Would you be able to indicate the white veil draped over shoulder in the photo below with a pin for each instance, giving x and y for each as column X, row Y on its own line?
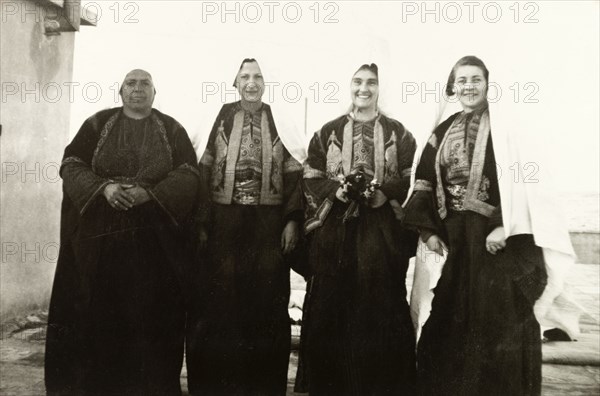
column 288, row 113
column 522, row 133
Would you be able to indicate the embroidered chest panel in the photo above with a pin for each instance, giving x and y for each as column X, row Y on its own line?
column 363, row 148
column 133, row 151
column 457, row 150
column 363, row 153
column 247, row 164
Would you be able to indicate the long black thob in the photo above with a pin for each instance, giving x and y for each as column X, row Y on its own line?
column 117, row 316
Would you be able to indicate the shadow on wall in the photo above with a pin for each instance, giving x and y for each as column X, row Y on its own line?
column 35, row 68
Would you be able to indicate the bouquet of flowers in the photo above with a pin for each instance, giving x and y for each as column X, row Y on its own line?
column 356, row 187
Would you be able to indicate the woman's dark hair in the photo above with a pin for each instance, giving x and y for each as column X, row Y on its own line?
column 468, row 60
column 372, row 68
column 246, row 60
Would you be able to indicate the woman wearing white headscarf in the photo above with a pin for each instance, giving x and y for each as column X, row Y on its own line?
column 250, row 210
column 482, row 336
column 357, row 333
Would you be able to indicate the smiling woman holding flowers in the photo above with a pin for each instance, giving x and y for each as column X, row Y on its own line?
column 359, row 338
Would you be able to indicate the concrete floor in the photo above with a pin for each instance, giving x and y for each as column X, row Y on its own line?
column 570, row 368
column 22, row 373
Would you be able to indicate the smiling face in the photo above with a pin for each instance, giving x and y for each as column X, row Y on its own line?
column 138, row 91
column 250, row 83
column 364, row 90
column 471, row 87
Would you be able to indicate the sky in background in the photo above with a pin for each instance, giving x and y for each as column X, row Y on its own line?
column 543, row 59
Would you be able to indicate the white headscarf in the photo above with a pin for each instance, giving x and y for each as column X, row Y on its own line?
column 335, row 98
column 288, row 113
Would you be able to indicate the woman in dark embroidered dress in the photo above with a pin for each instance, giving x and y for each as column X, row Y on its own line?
column 482, row 337
column 116, row 320
column 238, row 340
column 357, row 332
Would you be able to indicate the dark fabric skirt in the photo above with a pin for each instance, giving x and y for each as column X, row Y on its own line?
column 238, row 339
column 482, row 337
column 357, row 333
column 116, row 320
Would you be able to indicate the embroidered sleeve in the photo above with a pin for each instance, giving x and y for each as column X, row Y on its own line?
column 290, row 164
column 202, row 213
column 319, row 191
column 80, row 183
column 292, row 188
column 421, row 213
column 177, row 194
column 495, row 219
column 397, row 186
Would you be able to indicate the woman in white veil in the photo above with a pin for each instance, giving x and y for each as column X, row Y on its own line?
column 250, row 210
column 483, row 335
column 357, row 333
